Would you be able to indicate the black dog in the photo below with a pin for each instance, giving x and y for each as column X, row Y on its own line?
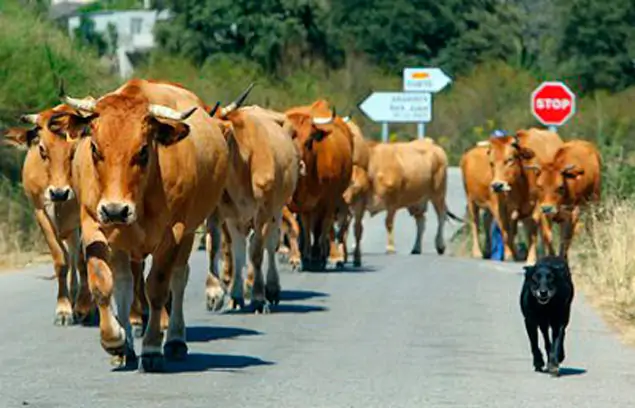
column 545, row 300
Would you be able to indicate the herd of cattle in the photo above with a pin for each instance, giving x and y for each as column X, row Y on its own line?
column 533, row 177
column 135, row 173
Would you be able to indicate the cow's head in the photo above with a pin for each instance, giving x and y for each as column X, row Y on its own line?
column 310, row 125
column 125, row 133
column 506, row 155
column 551, row 182
column 50, row 143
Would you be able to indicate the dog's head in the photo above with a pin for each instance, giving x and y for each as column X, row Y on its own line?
column 545, row 277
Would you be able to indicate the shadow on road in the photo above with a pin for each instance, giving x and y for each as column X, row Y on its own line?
column 199, row 362
column 203, row 334
column 568, row 371
column 287, row 308
column 344, row 269
column 294, row 295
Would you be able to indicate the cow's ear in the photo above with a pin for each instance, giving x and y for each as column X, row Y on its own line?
column 226, row 129
column 21, row 138
column 572, row 171
column 168, row 132
column 70, row 125
column 526, row 153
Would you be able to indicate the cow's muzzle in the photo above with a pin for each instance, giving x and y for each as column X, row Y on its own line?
column 59, row 194
column 548, row 209
column 116, row 213
column 500, row 186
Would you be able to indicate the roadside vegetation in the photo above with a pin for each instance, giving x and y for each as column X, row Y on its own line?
column 496, row 52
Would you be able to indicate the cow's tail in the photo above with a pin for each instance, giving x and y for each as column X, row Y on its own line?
column 451, row 216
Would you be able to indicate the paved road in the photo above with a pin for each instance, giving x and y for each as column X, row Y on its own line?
column 406, row 331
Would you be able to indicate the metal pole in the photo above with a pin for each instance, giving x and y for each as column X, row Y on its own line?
column 553, row 129
column 421, row 130
column 384, row 132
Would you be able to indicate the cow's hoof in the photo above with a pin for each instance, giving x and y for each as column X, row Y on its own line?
column 152, row 363
column 63, row 319
column 553, row 369
column 260, row 307
column 126, row 359
column 440, row 250
column 175, row 350
column 339, row 265
column 357, row 263
column 415, row 251
column 390, row 251
column 214, row 303
column 82, row 317
column 272, row 294
column 137, row 330
column 236, row 303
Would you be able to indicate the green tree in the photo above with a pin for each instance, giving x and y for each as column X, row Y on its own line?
column 597, row 44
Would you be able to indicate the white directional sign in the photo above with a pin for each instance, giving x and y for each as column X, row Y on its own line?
column 398, row 107
column 424, row 80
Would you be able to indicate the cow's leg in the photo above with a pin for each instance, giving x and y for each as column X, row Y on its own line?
column 323, row 225
column 342, row 234
column 63, row 309
column 140, row 303
column 124, row 296
column 175, row 347
column 272, row 286
column 293, row 233
column 262, row 230
column 473, row 212
column 487, row 226
column 336, row 258
column 438, row 202
column 358, row 212
column 228, row 257
column 546, row 231
column 390, row 223
column 532, row 333
column 305, row 251
column 83, row 301
column 158, row 291
column 214, row 290
column 239, row 249
column 419, row 214
column 567, row 230
column 531, row 228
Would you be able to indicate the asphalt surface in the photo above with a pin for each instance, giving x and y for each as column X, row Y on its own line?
column 404, row 331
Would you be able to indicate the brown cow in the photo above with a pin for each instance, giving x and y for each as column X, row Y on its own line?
column 516, row 188
column 567, row 184
column 263, row 173
column 46, row 179
column 477, row 177
column 326, row 146
column 150, row 167
column 408, row 175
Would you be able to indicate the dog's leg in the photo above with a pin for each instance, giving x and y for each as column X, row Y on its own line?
column 544, row 328
column 532, row 333
column 557, row 353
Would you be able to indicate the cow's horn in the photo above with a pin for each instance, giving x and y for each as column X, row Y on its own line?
column 212, row 111
column 238, row 102
column 163, row 112
column 30, row 118
column 87, row 104
column 325, row 121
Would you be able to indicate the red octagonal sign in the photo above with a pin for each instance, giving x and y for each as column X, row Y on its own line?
column 553, row 103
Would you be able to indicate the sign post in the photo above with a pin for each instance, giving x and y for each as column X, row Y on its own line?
column 553, row 104
column 397, row 107
column 428, row 80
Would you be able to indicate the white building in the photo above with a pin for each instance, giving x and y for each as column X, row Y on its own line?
column 134, row 31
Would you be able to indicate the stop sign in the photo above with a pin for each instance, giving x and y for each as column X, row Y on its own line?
column 552, row 103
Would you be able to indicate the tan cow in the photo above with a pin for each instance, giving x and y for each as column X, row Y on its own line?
column 516, row 188
column 326, row 146
column 477, row 177
column 150, row 167
column 263, row 173
column 408, row 175
column 567, row 184
column 46, row 179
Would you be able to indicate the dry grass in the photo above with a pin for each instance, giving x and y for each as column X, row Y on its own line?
column 603, row 264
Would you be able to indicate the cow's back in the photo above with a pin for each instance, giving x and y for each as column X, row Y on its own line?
column 193, row 170
column 477, row 175
column 544, row 144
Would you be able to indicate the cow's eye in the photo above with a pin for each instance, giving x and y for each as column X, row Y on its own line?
column 561, row 189
column 142, row 156
column 95, row 152
column 43, row 153
column 509, row 161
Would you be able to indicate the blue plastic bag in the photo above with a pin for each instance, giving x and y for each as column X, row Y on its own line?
column 498, row 249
